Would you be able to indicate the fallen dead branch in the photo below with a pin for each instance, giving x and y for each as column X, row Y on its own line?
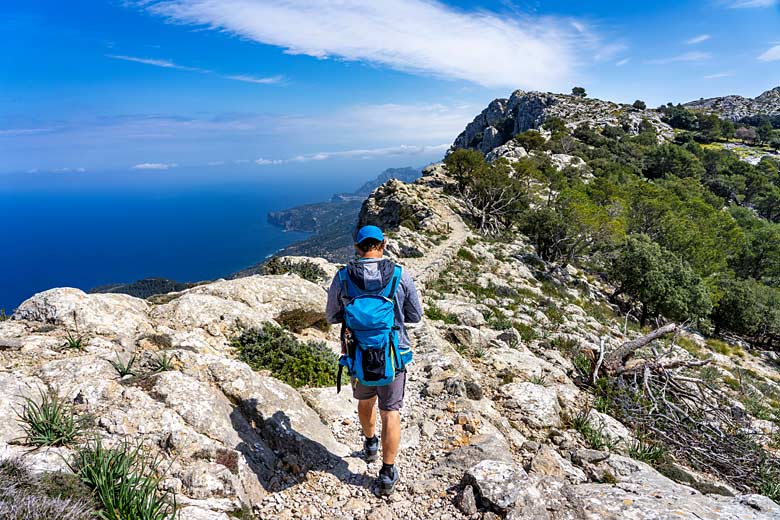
column 659, row 394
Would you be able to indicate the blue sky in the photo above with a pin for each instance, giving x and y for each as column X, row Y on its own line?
column 146, row 86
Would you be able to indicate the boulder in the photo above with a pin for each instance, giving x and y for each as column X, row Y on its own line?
column 497, row 484
column 269, row 295
column 465, row 312
column 82, row 313
column 549, row 462
column 521, row 363
column 537, row 405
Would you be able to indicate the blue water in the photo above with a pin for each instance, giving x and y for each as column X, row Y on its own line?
column 86, row 232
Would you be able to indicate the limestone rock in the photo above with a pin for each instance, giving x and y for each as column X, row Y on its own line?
column 549, row 462
column 466, row 313
column 497, row 484
column 737, row 107
column 108, row 314
column 538, row 405
column 522, row 111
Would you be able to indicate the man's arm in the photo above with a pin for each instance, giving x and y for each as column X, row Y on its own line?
column 413, row 311
column 334, row 312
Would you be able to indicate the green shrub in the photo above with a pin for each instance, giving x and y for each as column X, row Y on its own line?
column 3, row 315
column 755, row 405
column 294, row 362
column 583, row 365
column 567, row 346
column 527, row 333
column 690, row 346
column 306, row 269
column 538, row 380
column 769, row 484
column 595, row 437
column 125, row 481
column 648, row 452
column 499, row 321
column 465, row 254
column 555, row 316
column 721, row 347
column 50, row 422
column 432, row 312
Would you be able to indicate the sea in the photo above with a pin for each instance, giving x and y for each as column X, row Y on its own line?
column 88, row 229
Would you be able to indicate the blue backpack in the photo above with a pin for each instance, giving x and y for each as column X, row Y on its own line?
column 370, row 332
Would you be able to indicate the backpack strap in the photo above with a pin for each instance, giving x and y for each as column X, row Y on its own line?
column 395, row 281
column 343, row 276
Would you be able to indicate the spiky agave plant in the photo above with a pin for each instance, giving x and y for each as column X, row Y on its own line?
column 125, row 480
column 49, row 421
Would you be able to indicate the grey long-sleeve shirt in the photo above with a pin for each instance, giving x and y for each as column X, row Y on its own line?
column 374, row 272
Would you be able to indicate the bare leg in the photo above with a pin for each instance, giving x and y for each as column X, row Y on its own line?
column 391, row 435
column 367, row 415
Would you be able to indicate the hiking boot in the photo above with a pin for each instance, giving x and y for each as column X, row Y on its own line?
column 388, row 478
column 370, row 448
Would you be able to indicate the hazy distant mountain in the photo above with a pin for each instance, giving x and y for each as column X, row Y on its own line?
column 737, row 107
column 334, row 221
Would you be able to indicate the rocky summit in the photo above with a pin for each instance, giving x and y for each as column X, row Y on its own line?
column 504, row 118
column 737, row 107
column 498, row 421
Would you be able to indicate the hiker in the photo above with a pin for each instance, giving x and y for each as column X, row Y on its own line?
column 373, row 298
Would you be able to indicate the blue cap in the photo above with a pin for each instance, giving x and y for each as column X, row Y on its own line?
column 369, row 232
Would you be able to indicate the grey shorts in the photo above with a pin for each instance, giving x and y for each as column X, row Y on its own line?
column 391, row 397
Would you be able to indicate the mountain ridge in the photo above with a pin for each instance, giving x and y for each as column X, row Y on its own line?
column 735, row 107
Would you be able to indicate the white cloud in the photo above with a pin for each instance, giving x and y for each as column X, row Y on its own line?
column 418, row 36
column 698, row 39
column 623, row 62
column 264, row 162
column 166, row 64
column 771, row 54
column 69, row 170
column 361, row 153
column 252, row 79
column 154, row 166
column 686, row 57
column 742, row 4
column 719, row 75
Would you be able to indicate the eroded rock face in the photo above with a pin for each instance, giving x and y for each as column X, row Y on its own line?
column 504, row 118
column 395, row 203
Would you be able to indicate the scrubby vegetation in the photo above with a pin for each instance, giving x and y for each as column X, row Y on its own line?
column 24, row 496
column 306, row 269
column 681, row 229
column 294, row 362
column 125, row 481
column 432, row 312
